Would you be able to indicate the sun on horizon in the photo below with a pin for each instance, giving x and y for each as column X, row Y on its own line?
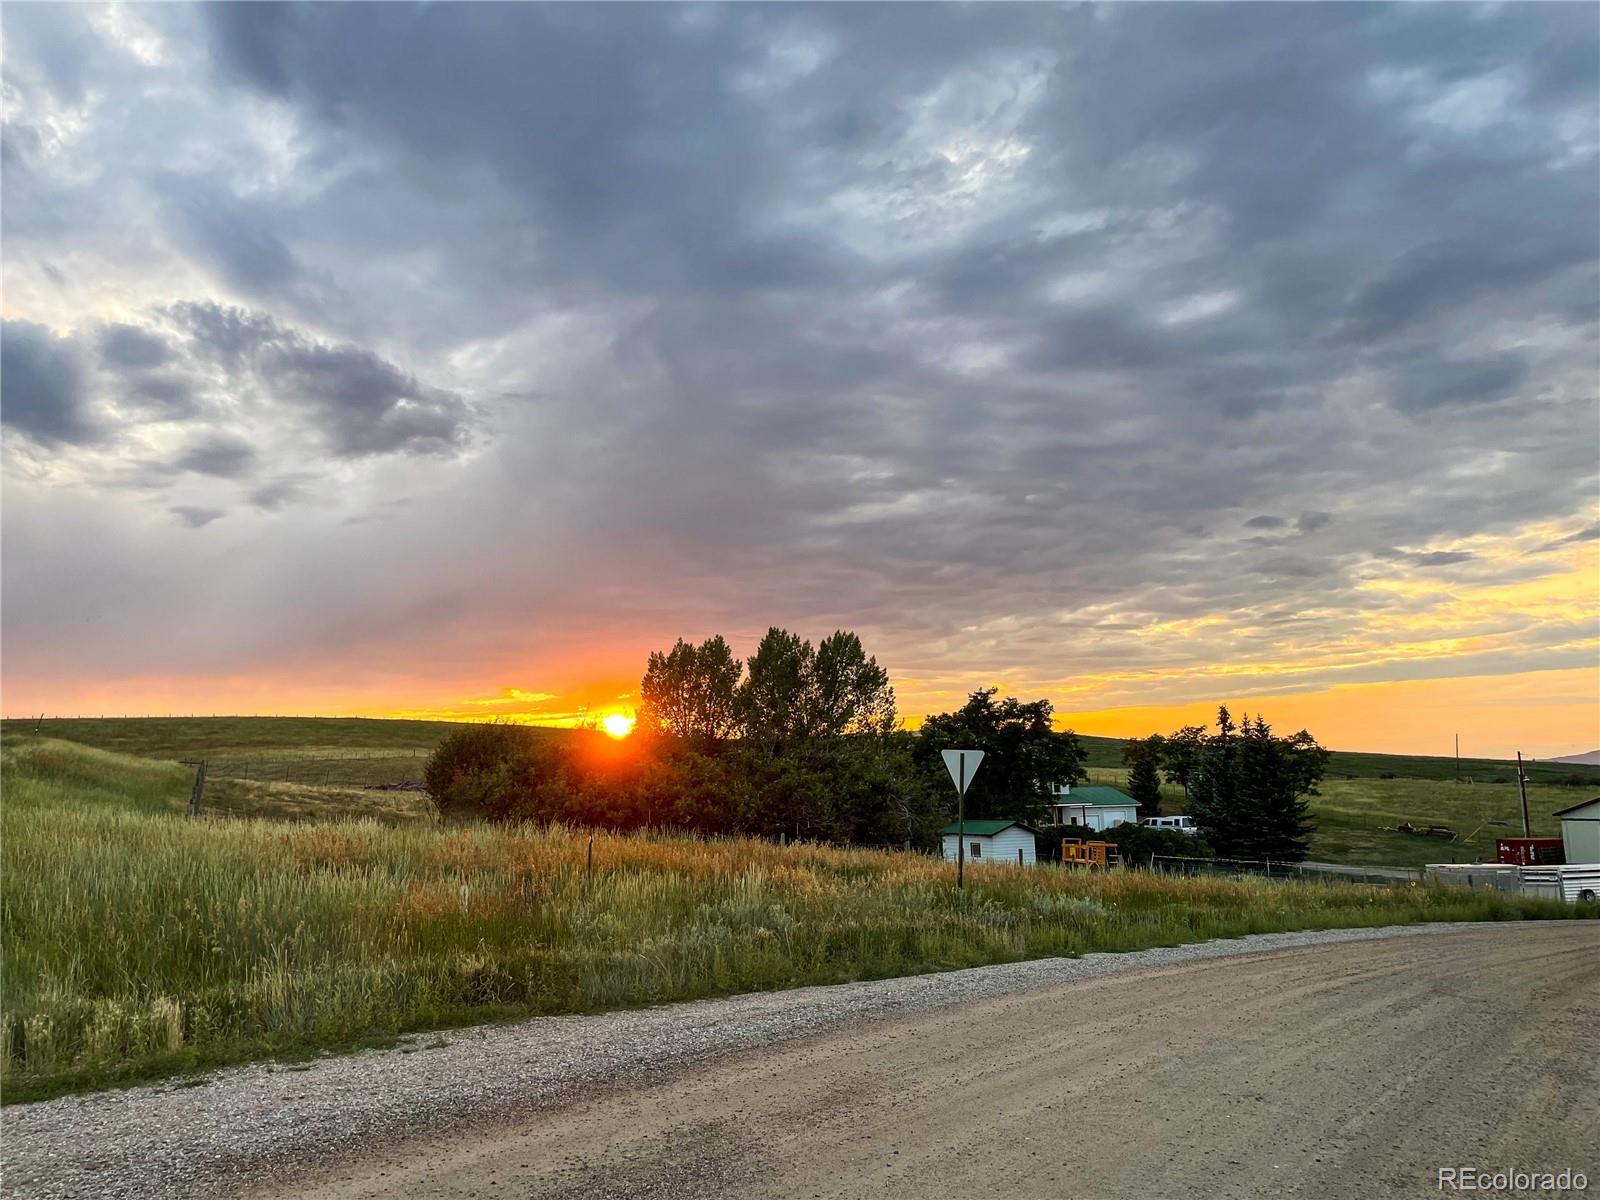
column 618, row 725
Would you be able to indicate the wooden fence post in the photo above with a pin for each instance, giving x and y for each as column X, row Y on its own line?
column 199, row 789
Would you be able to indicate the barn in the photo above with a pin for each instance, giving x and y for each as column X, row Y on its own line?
column 993, row 841
column 1580, row 831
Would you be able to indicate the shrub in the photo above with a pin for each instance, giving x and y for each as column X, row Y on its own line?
column 479, row 771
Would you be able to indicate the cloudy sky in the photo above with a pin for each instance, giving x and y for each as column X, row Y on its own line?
column 449, row 359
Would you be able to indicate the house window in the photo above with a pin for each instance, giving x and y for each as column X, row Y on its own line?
column 977, row 849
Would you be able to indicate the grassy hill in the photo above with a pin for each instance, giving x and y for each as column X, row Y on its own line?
column 320, row 768
column 236, row 737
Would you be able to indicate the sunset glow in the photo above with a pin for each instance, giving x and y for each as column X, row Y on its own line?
column 1211, row 422
column 617, row 725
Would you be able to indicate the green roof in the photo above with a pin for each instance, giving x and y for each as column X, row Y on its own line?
column 1094, row 794
column 985, row 828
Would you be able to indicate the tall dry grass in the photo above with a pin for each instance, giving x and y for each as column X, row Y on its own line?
column 137, row 943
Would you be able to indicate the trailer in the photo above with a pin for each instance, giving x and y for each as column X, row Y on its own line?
column 1529, row 851
column 1573, row 883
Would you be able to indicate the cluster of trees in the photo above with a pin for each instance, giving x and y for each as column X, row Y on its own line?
column 1245, row 787
column 803, row 741
column 787, row 694
column 800, row 741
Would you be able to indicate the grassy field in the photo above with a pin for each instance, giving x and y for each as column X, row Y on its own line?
column 1357, row 819
column 238, row 738
column 138, row 944
column 320, row 768
column 1106, row 753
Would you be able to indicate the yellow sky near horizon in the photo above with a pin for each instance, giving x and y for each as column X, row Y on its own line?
column 1485, row 654
column 1545, row 714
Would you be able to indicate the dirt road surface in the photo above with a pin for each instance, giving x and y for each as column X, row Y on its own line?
column 1343, row 1070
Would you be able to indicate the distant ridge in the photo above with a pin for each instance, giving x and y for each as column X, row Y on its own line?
column 1588, row 759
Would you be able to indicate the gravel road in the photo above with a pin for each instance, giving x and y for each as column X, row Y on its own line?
column 1348, row 1063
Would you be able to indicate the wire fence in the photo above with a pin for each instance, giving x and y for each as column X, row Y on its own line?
column 388, row 771
column 1267, row 869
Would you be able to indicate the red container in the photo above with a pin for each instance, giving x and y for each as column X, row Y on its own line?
column 1529, row 852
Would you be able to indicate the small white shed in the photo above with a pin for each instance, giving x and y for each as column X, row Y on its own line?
column 993, row 841
column 1580, row 831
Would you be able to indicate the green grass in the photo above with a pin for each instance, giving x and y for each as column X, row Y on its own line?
column 312, row 768
column 138, row 944
column 239, row 738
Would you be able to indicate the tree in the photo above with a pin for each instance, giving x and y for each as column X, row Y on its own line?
column 849, row 692
column 690, row 691
column 775, row 702
column 1249, row 790
column 1276, row 776
column 1213, row 789
column 479, row 772
column 1024, row 758
column 1142, row 757
column 1181, row 753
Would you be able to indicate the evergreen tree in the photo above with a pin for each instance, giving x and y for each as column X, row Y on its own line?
column 1248, row 793
column 1142, row 756
column 1213, row 789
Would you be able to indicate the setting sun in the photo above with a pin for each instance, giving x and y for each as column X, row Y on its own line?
column 617, row 725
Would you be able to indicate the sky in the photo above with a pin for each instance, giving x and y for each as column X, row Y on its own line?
column 447, row 360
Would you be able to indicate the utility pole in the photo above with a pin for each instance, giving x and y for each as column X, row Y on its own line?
column 1458, row 758
column 1522, row 786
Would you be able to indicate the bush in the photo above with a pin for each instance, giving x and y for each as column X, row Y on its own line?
column 479, row 771
column 1137, row 843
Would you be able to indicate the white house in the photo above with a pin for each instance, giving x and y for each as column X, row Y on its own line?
column 1580, row 831
column 1093, row 805
column 993, row 841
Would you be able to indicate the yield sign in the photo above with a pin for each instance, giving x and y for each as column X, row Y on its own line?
column 962, row 765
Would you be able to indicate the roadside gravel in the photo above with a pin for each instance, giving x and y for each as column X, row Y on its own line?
column 246, row 1127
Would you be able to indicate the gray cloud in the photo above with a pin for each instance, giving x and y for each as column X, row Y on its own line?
column 279, row 493
column 362, row 404
column 220, row 455
column 129, row 346
column 43, row 391
column 195, row 517
column 1588, row 533
column 983, row 329
column 1436, row 384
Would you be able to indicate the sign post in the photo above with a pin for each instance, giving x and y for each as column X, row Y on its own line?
column 962, row 765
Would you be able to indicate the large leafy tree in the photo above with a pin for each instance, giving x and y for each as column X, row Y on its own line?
column 1181, row 753
column 1024, row 757
column 691, row 691
column 849, row 691
column 795, row 692
column 1248, row 794
column 1142, row 757
column 775, row 702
